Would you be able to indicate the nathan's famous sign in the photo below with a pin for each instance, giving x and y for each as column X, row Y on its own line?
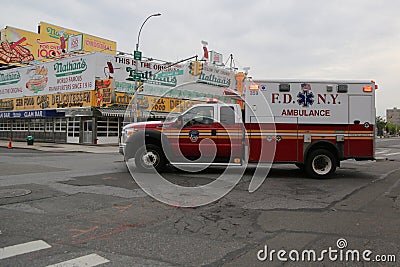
column 70, row 74
column 53, row 33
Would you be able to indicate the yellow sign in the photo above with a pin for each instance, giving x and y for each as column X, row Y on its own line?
column 63, row 100
column 122, row 98
column 165, row 104
column 156, row 103
column 18, row 46
column 60, row 35
column 105, row 93
column 95, row 98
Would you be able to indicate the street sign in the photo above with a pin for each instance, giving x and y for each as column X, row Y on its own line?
column 137, row 55
column 170, row 73
column 137, row 76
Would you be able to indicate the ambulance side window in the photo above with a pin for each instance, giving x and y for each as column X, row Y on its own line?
column 227, row 115
column 198, row 115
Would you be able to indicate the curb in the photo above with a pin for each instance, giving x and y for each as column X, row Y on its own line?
column 379, row 159
column 65, row 148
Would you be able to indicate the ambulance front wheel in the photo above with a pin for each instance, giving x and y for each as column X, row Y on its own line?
column 320, row 163
column 150, row 157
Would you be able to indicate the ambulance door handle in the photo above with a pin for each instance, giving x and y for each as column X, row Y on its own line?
column 214, row 132
column 356, row 122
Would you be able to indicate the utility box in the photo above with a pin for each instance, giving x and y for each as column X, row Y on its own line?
column 29, row 140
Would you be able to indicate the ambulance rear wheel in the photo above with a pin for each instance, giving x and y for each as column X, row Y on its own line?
column 150, row 157
column 321, row 163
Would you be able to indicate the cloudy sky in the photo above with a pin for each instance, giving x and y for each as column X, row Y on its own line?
column 336, row 39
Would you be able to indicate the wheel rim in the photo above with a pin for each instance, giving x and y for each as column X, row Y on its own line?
column 149, row 159
column 322, row 164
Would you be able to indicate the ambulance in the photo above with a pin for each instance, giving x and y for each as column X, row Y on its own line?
column 314, row 124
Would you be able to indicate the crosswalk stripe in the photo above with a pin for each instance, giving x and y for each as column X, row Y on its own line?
column 383, row 151
column 392, row 154
column 88, row 260
column 24, row 248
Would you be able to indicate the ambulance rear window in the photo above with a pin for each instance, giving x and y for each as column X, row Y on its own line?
column 342, row 88
column 227, row 115
column 284, row 87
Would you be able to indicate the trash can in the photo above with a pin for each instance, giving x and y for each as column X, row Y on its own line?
column 29, row 140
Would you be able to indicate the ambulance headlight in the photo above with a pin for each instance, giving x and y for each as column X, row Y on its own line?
column 130, row 131
column 127, row 132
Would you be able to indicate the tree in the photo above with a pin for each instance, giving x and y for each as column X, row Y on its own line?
column 391, row 128
column 380, row 125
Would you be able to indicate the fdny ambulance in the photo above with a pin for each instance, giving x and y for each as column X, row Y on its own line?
column 312, row 124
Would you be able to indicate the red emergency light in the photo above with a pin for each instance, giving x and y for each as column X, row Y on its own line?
column 211, row 100
column 367, row 89
column 376, row 86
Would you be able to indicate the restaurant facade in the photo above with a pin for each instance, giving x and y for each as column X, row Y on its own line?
column 86, row 96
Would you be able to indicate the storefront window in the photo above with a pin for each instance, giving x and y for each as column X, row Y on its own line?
column 5, row 125
column 102, row 127
column 20, row 125
column 37, row 125
column 49, row 126
column 113, row 127
column 73, row 127
column 60, row 125
column 107, row 127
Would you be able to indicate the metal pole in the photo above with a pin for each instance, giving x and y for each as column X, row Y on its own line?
column 135, row 102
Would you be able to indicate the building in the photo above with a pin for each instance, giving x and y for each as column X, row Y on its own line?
column 72, row 93
column 393, row 116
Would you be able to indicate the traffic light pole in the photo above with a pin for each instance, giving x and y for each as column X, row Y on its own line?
column 135, row 102
column 137, row 61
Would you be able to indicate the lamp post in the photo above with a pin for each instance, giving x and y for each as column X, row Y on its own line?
column 135, row 103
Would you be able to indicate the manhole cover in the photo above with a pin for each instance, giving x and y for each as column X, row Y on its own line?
column 5, row 193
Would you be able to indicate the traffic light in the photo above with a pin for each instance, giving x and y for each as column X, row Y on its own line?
column 195, row 67
column 199, row 67
column 140, row 86
column 192, row 67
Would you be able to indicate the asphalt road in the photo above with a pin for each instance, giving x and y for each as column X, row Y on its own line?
column 85, row 208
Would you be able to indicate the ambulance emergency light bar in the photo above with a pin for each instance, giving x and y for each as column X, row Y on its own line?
column 212, row 100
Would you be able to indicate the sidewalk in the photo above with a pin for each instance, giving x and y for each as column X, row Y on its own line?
column 54, row 147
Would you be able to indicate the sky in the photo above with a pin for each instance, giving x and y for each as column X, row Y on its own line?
column 304, row 39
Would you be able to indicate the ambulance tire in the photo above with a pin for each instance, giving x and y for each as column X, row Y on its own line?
column 150, row 157
column 320, row 163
